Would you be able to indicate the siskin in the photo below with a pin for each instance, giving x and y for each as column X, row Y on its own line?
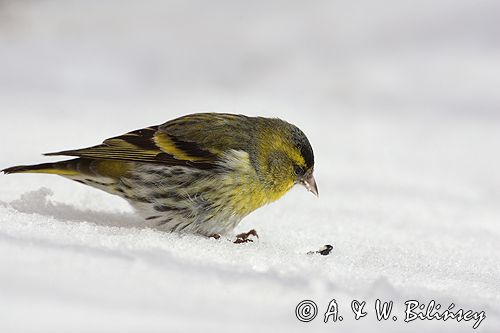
column 201, row 173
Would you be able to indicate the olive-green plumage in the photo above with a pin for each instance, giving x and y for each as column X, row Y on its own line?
column 201, row 173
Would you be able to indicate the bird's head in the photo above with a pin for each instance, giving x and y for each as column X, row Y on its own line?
column 288, row 157
column 303, row 161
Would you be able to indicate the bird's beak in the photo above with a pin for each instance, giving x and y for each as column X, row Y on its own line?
column 310, row 184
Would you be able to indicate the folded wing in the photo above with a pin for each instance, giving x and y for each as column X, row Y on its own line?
column 196, row 141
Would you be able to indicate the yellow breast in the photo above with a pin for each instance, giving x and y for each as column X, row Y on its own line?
column 244, row 190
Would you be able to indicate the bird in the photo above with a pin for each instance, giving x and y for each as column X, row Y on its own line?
column 200, row 173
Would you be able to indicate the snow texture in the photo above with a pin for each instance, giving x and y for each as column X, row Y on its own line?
column 399, row 99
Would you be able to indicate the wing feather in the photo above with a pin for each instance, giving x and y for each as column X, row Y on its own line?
column 197, row 140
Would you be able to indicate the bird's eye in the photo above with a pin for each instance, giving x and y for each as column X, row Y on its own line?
column 299, row 171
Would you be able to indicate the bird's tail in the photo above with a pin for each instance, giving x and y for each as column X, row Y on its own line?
column 101, row 174
column 64, row 168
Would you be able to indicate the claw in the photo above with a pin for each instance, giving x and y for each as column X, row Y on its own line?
column 241, row 240
column 244, row 237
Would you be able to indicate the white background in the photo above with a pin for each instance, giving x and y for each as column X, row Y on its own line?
column 400, row 100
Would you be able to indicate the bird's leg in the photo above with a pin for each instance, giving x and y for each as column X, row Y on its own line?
column 244, row 237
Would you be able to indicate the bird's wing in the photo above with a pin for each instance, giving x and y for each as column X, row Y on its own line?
column 196, row 140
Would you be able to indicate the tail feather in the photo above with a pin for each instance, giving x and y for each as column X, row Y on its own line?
column 58, row 168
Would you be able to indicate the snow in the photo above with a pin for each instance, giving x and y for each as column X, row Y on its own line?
column 400, row 102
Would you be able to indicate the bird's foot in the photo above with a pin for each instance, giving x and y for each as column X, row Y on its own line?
column 214, row 236
column 245, row 237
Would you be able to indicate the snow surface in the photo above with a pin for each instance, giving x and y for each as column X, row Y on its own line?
column 399, row 99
